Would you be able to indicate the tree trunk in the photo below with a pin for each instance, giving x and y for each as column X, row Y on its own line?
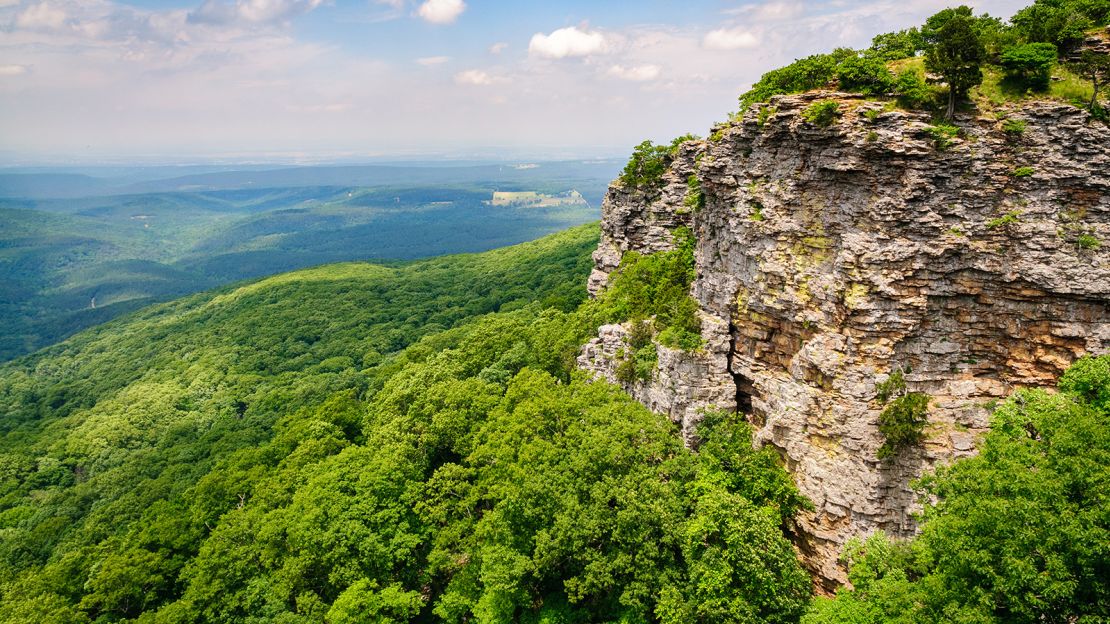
column 951, row 104
column 1094, row 96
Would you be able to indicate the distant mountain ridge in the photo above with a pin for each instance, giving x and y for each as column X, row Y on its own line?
column 42, row 185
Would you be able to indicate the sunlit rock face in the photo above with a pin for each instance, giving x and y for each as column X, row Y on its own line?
column 829, row 257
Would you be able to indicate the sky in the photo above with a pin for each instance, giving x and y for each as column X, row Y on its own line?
column 170, row 81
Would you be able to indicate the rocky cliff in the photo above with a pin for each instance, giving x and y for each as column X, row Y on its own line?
column 830, row 257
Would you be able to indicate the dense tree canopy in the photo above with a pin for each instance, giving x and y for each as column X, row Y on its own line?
column 368, row 444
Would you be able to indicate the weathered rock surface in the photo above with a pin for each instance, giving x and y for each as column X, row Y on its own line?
column 684, row 383
column 829, row 257
column 636, row 220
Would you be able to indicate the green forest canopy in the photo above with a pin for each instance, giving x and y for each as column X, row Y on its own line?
column 357, row 443
column 361, row 443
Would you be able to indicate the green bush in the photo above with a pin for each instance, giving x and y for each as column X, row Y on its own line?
column 902, row 423
column 657, row 287
column 1005, row 221
column 804, row 74
column 1100, row 113
column 1088, row 242
column 911, row 89
column 1030, row 64
column 649, row 162
column 1023, row 172
column 683, row 339
column 639, row 363
column 765, row 113
column 823, row 113
column 866, row 75
column 1089, row 379
column 647, row 165
column 894, row 385
column 695, row 198
column 943, row 134
column 640, row 334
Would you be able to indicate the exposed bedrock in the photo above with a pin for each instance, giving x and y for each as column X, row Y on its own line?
column 829, row 257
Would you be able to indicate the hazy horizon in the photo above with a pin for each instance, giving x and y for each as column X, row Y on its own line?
column 287, row 160
column 312, row 81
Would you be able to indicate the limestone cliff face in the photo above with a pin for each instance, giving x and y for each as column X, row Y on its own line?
column 829, row 257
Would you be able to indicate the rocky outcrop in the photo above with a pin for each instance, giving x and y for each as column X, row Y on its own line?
column 684, row 384
column 643, row 219
column 1098, row 42
column 828, row 257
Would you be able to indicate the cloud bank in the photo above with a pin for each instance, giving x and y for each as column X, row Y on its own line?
column 93, row 79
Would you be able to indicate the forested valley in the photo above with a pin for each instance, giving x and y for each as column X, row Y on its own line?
column 359, row 443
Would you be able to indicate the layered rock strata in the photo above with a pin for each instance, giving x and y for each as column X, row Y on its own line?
column 829, row 257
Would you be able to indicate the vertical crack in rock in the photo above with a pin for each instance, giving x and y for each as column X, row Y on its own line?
column 744, row 386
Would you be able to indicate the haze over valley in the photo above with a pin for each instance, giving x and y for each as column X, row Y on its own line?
column 79, row 249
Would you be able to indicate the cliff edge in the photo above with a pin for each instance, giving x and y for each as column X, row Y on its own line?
column 831, row 257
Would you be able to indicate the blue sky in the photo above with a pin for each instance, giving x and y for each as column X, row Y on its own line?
column 319, row 80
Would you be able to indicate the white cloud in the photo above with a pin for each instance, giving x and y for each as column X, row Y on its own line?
column 429, row 61
column 441, row 11
column 250, row 11
column 567, row 42
column 770, row 11
column 730, row 39
column 12, row 70
column 41, row 16
column 638, row 73
column 498, row 47
column 477, row 77
column 776, row 11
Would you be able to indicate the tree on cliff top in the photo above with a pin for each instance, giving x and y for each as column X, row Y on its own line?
column 954, row 50
column 649, row 162
column 1096, row 68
